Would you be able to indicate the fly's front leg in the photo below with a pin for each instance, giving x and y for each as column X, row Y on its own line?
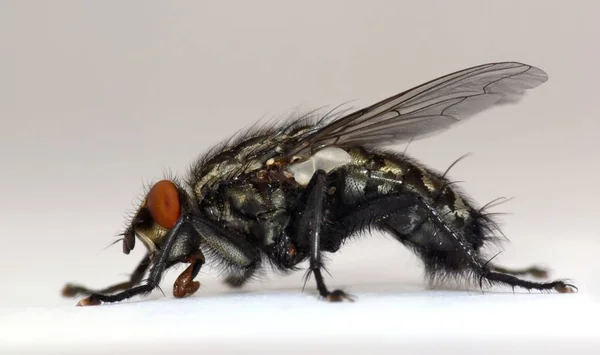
column 71, row 290
column 185, row 284
column 160, row 264
column 309, row 229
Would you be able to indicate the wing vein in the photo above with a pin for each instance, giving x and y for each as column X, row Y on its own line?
column 425, row 109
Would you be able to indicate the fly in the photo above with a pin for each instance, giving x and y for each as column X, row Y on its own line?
column 288, row 193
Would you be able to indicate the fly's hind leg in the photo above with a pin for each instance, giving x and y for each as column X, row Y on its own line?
column 446, row 250
column 534, row 271
column 507, row 279
column 454, row 260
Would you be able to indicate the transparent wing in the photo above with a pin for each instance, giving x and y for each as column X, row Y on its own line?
column 428, row 108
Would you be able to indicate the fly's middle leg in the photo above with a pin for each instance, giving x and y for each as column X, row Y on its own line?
column 309, row 232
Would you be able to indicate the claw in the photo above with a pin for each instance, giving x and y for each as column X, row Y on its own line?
column 87, row 302
column 565, row 288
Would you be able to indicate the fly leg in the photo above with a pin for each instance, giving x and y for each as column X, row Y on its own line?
column 309, row 229
column 232, row 248
column 71, row 290
column 444, row 249
column 498, row 277
column 184, row 284
column 470, row 258
column 160, row 264
column 535, row 271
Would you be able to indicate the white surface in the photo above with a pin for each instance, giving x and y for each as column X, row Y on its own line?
column 395, row 313
column 390, row 322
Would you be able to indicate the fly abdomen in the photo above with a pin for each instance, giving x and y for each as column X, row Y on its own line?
column 373, row 174
column 419, row 207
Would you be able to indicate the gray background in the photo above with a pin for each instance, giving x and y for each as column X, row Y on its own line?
column 99, row 98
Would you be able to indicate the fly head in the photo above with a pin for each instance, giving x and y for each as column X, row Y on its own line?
column 161, row 208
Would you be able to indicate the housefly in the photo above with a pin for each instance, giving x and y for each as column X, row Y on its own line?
column 287, row 193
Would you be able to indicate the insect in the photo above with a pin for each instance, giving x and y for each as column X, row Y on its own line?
column 288, row 193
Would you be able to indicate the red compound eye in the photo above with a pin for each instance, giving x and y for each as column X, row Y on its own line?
column 163, row 203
